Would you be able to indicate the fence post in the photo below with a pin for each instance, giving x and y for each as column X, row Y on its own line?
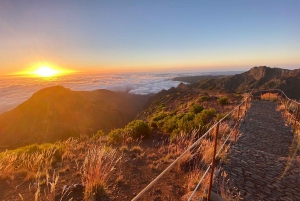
column 237, row 124
column 285, row 108
column 246, row 108
column 296, row 118
column 213, row 161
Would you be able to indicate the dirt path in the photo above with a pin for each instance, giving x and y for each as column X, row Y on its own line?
column 262, row 166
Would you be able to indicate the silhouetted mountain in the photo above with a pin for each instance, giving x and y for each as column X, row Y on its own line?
column 256, row 78
column 56, row 113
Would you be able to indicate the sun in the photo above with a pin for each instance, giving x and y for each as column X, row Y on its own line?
column 45, row 71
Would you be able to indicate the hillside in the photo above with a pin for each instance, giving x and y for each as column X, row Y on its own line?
column 120, row 164
column 261, row 77
column 56, row 113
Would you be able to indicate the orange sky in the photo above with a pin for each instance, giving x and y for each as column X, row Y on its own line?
column 144, row 36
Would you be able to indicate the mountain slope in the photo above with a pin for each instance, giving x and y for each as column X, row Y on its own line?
column 56, row 113
column 256, row 78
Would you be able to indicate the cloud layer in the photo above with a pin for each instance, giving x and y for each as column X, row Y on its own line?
column 15, row 90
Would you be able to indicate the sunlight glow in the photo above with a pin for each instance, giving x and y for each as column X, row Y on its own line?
column 45, row 71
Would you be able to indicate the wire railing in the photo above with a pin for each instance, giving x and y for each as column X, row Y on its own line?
column 218, row 140
column 291, row 108
column 237, row 109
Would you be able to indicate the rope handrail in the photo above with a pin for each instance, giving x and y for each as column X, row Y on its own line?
column 186, row 151
column 245, row 101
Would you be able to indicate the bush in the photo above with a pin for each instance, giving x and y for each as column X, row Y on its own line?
column 116, row 136
column 196, row 109
column 157, row 119
column 170, row 124
column 221, row 116
column 136, row 149
column 137, row 128
column 99, row 134
column 203, row 98
column 185, row 122
column 205, row 116
column 223, row 100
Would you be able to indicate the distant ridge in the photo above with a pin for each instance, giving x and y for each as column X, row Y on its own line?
column 261, row 77
column 56, row 113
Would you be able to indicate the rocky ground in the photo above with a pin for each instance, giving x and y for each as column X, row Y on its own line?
column 263, row 165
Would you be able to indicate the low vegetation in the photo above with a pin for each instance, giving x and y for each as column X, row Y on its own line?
column 134, row 130
column 96, row 169
column 223, row 100
column 269, row 96
column 97, row 166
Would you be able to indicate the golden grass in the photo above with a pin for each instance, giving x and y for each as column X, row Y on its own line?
column 269, row 97
column 97, row 167
column 11, row 162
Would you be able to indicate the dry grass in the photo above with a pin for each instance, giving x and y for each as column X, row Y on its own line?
column 193, row 179
column 269, row 97
column 224, row 190
column 137, row 149
column 49, row 186
column 94, row 163
column 124, row 148
column 11, row 163
column 97, row 167
column 289, row 112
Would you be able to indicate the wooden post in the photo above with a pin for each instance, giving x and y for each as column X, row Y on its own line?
column 284, row 102
column 296, row 118
column 237, row 124
column 246, row 108
column 213, row 161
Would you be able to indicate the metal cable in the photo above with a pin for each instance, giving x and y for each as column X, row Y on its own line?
column 186, row 151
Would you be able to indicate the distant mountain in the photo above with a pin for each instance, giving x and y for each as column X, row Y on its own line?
column 262, row 77
column 56, row 113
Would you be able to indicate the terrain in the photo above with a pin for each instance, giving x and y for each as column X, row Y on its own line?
column 118, row 163
column 57, row 113
column 261, row 77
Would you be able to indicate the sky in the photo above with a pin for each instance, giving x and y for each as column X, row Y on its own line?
column 120, row 36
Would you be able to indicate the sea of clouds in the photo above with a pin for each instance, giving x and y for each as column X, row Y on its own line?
column 15, row 90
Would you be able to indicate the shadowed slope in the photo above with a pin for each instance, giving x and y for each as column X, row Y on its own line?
column 56, row 113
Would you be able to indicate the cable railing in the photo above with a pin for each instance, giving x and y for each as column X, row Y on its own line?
column 215, row 127
column 215, row 137
column 291, row 108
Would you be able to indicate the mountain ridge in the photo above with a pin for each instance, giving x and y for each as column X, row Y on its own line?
column 56, row 113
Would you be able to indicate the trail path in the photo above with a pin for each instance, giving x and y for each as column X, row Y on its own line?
column 262, row 165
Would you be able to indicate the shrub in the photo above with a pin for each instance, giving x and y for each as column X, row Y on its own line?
column 156, row 119
column 116, row 136
column 221, row 116
column 99, row 134
column 136, row 149
column 169, row 125
column 137, row 128
column 196, row 109
column 203, row 98
column 223, row 100
column 272, row 84
column 124, row 148
column 205, row 116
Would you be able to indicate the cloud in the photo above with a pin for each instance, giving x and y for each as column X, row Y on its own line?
column 15, row 90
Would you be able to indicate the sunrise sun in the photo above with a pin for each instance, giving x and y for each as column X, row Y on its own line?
column 45, row 71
